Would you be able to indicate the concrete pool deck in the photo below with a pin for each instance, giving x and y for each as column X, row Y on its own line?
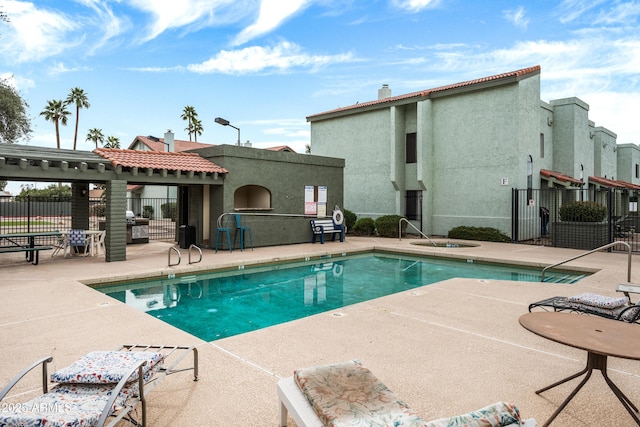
column 446, row 348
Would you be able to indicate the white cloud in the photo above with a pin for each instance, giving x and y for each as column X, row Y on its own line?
column 188, row 14
column 36, row 34
column 272, row 14
column 105, row 20
column 517, row 17
column 254, row 59
column 415, row 5
column 620, row 13
column 615, row 111
column 571, row 10
column 60, row 68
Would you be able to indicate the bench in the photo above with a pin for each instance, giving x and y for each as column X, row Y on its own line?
column 320, row 227
column 32, row 253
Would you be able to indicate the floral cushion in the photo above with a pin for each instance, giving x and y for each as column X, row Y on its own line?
column 108, row 367
column 631, row 314
column 69, row 405
column 348, row 394
column 498, row 414
column 599, row 301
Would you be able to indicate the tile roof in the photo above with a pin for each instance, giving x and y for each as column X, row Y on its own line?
column 428, row 92
column 281, row 148
column 560, row 177
column 629, row 185
column 613, row 183
column 157, row 144
column 158, row 160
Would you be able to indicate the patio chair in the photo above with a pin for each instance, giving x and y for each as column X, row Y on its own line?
column 101, row 387
column 242, row 230
column 61, row 243
column 348, row 394
column 617, row 308
column 77, row 239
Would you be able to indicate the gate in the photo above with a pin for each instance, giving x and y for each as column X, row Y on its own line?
column 536, row 220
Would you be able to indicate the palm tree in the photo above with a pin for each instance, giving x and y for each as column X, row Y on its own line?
column 96, row 136
column 79, row 97
column 112, row 142
column 197, row 129
column 189, row 114
column 56, row 112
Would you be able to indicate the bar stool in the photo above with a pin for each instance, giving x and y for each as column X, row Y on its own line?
column 242, row 229
column 221, row 230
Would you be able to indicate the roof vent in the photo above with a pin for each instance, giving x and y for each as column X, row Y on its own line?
column 384, row 92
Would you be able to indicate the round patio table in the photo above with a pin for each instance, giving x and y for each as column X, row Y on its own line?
column 598, row 336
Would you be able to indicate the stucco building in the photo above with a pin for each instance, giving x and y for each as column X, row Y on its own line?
column 451, row 155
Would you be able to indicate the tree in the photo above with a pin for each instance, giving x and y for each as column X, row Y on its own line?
column 62, row 192
column 78, row 97
column 197, row 129
column 112, row 142
column 56, row 112
column 189, row 114
column 95, row 135
column 14, row 121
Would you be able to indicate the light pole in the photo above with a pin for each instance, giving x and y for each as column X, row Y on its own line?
column 225, row 122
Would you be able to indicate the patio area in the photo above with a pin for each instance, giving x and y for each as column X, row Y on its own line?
column 446, row 348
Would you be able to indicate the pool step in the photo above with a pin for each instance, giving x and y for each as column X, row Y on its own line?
column 566, row 278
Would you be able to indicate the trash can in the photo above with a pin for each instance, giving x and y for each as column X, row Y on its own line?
column 187, row 236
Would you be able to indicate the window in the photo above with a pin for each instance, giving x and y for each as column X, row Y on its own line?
column 252, row 197
column 411, row 148
column 542, row 145
column 413, row 204
column 637, row 171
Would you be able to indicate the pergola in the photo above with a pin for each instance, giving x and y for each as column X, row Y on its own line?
column 113, row 168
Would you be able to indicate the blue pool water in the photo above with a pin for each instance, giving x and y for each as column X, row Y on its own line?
column 212, row 306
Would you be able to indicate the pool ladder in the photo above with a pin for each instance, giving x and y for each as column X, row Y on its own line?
column 609, row 245
column 415, row 228
column 177, row 251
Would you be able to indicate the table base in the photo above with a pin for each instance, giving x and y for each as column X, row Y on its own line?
column 599, row 362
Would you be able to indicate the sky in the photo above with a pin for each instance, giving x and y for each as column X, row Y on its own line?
column 265, row 65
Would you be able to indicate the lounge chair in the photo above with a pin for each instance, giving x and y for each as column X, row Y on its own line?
column 348, row 394
column 101, row 387
column 617, row 308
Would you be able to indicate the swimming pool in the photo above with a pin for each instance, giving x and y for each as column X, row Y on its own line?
column 216, row 305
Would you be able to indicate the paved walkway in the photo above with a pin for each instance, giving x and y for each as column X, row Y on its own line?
column 446, row 348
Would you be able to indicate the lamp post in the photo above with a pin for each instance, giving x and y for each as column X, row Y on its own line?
column 225, row 122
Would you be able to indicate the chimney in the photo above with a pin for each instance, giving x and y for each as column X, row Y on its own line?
column 384, row 92
column 168, row 141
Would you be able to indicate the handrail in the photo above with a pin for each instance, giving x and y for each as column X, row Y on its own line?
column 178, row 252
column 416, row 228
column 608, row 245
column 219, row 220
column 199, row 250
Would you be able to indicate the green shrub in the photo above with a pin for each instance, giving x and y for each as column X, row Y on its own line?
column 169, row 210
column 387, row 225
column 147, row 211
column 485, row 234
column 583, row 212
column 349, row 219
column 364, row 227
column 97, row 209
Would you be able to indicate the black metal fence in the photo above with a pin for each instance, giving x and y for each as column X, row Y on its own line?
column 536, row 220
column 31, row 214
